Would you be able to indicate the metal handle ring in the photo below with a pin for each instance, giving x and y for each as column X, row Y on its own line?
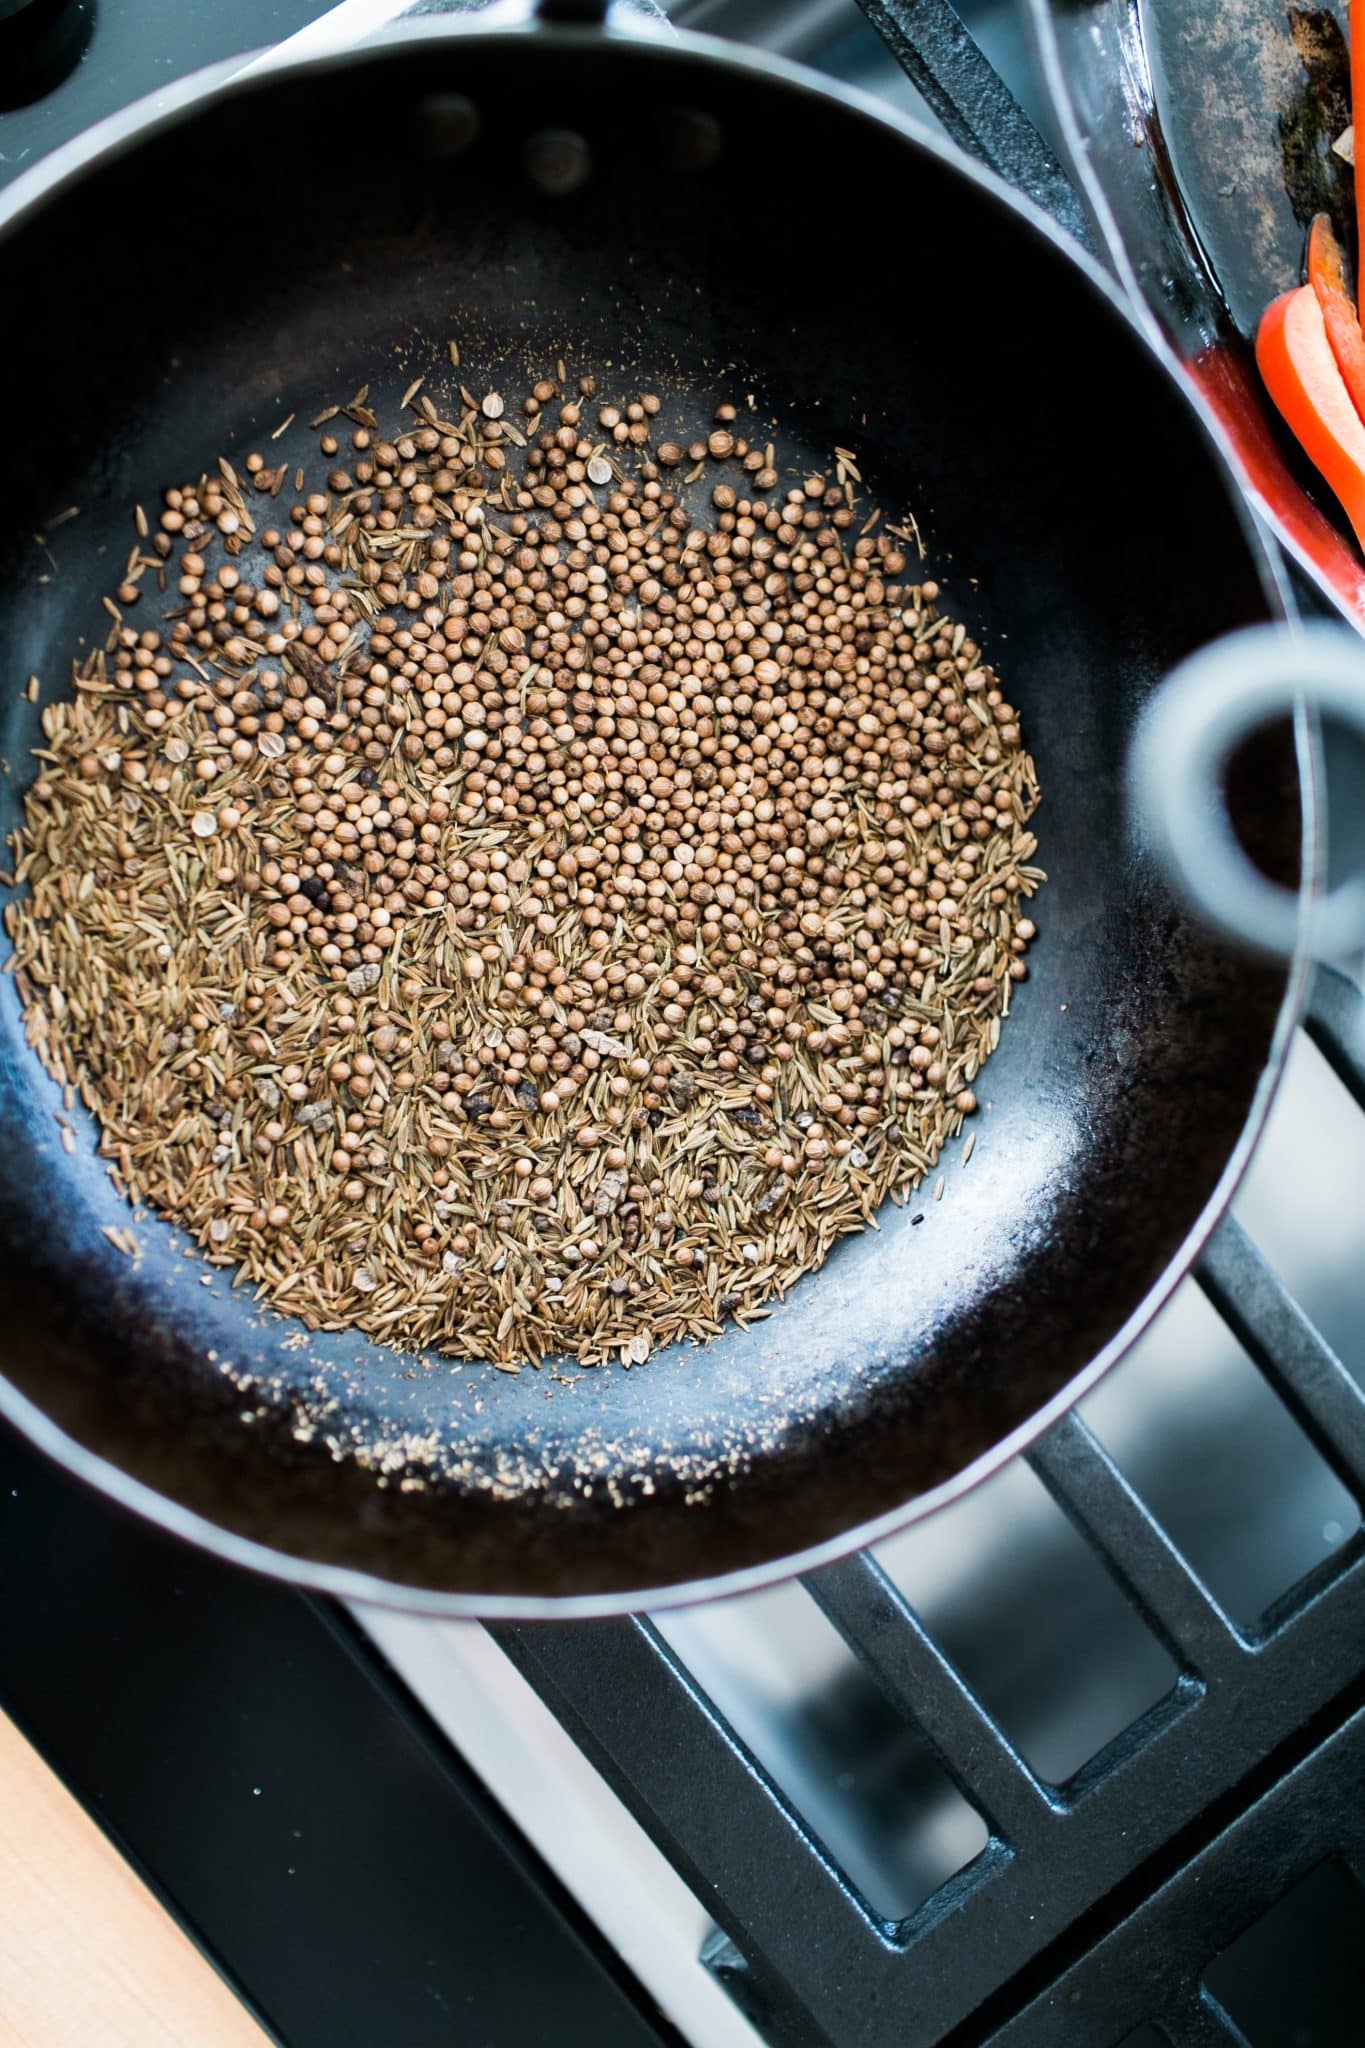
column 1201, row 715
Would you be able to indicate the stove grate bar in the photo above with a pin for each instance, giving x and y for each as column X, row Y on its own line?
column 1149, row 1966
column 943, row 61
column 1200, row 2022
column 1094, row 1495
column 1288, row 1350
column 888, row 1637
column 659, row 1742
column 1335, row 1022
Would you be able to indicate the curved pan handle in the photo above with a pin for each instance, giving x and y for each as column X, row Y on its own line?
column 1190, row 732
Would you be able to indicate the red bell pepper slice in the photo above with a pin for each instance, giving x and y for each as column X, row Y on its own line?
column 1327, row 275
column 1294, row 356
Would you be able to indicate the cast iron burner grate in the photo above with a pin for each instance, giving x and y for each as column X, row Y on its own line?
column 1110, row 1895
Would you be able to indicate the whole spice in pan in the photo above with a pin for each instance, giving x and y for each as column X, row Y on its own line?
column 502, row 907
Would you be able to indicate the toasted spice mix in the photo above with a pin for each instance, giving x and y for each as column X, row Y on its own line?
column 502, row 909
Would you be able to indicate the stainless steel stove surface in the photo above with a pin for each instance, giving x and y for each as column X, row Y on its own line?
column 1071, row 1679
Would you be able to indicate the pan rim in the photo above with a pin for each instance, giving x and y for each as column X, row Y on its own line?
column 161, row 111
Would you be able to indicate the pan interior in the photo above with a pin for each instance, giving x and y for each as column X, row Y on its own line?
column 731, row 236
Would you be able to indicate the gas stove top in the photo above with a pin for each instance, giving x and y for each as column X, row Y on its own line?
column 1079, row 1760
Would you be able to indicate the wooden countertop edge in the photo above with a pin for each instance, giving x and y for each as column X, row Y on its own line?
column 88, row 1955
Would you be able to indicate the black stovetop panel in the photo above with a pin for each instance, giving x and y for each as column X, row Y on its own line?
column 284, row 1794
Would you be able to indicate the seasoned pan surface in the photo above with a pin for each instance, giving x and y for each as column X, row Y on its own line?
column 272, row 249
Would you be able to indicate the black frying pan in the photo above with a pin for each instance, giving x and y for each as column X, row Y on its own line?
column 195, row 277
